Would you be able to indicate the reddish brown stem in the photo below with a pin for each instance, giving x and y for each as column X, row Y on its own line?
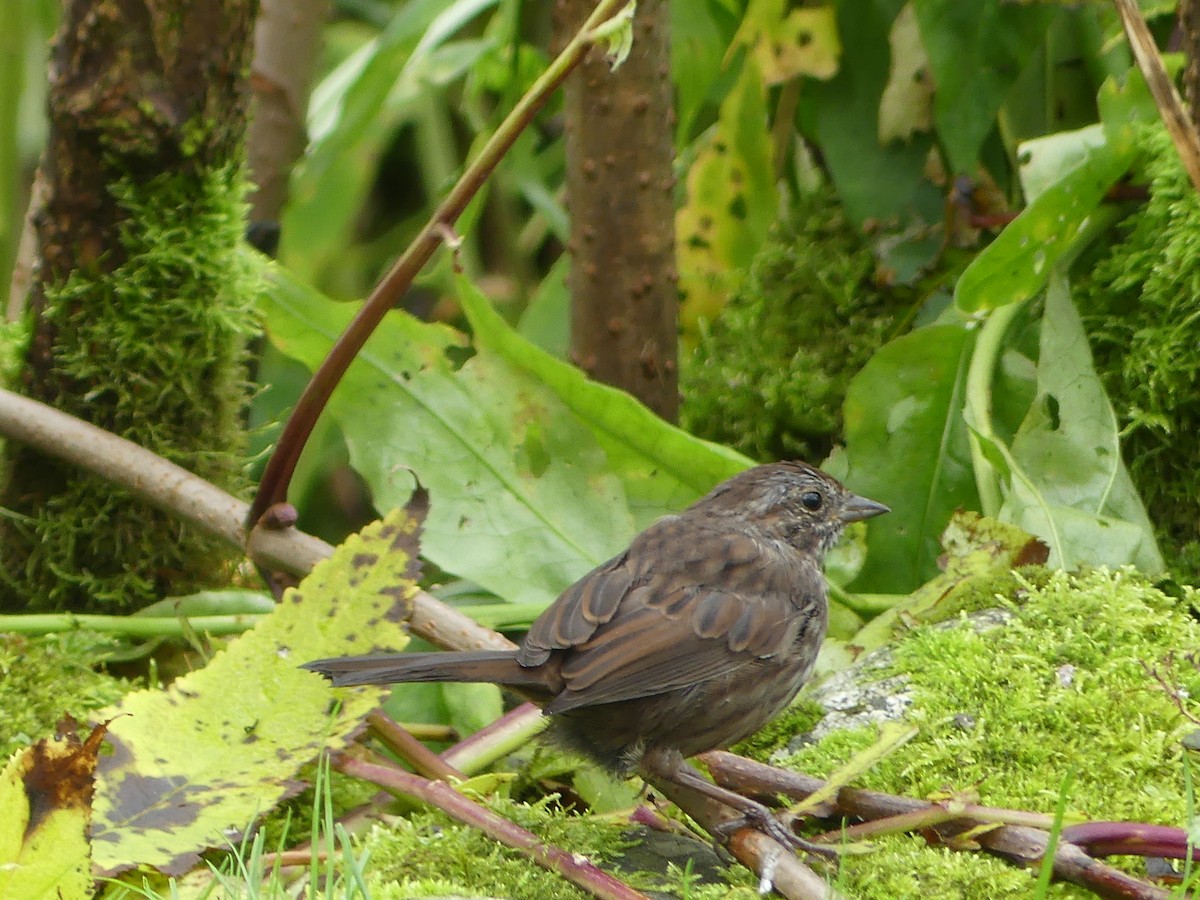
column 280, row 467
column 420, row 757
column 1020, row 844
column 573, row 867
column 1130, row 839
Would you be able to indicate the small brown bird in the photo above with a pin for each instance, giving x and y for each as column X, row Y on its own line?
column 689, row 641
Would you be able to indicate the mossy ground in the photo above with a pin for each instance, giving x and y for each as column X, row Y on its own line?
column 1072, row 684
column 44, row 678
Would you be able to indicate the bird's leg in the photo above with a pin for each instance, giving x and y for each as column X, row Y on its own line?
column 670, row 766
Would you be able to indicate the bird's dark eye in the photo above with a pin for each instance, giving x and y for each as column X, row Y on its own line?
column 811, row 500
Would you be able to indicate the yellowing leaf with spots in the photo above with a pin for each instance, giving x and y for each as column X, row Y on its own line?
column 789, row 44
column 46, row 804
column 195, row 764
column 731, row 202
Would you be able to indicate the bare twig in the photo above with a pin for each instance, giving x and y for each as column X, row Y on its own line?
column 168, row 486
column 1170, row 106
column 1020, row 844
column 278, row 473
column 512, row 730
column 420, row 757
column 573, row 867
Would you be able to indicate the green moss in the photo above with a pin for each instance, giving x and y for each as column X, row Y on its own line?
column 1139, row 302
column 769, row 375
column 153, row 351
column 1064, row 687
column 430, row 855
column 42, row 679
column 905, row 866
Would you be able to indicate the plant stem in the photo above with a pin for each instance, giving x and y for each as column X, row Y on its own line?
column 194, row 500
column 278, row 473
column 984, row 360
column 574, row 868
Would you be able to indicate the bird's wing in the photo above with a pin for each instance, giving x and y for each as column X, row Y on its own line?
column 681, row 605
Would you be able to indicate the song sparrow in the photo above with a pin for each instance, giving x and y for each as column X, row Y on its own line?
column 689, row 641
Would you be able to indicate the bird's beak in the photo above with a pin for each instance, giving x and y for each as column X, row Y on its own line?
column 858, row 508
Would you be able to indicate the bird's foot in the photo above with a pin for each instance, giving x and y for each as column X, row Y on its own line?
column 762, row 819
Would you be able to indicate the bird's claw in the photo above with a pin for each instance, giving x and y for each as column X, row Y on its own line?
column 770, row 825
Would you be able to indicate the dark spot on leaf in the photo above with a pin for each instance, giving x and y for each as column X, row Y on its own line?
column 60, row 777
column 1051, row 403
column 737, row 207
column 804, row 38
column 458, row 356
column 363, row 560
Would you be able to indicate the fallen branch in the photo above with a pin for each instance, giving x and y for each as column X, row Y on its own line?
column 571, row 866
column 1020, row 844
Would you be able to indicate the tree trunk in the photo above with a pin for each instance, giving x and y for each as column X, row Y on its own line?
column 620, row 186
column 141, row 301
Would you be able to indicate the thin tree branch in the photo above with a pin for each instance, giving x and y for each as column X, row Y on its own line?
column 776, row 866
column 573, row 867
column 278, row 473
column 1170, row 106
column 173, row 488
column 1020, row 844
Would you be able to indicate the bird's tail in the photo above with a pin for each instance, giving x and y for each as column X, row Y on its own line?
column 497, row 666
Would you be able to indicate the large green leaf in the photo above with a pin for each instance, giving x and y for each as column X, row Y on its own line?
column 195, row 764
column 906, row 446
column 357, row 109
column 976, row 51
column 731, row 201
column 662, row 467
column 873, row 179
column 1017, row 265
column 523, row 501
column 700, row 32
column 1066, row 481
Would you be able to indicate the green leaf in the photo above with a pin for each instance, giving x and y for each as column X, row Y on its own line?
column 977, row 549
column 546, row 321
column 195, row 764
column 907, row 446
column 354, row 113
column 522, row 498
column 1067, row 482
column 45, row 796
column 976, row 51
column 662, row 468
column 874, row 179
column 700, row 32
column 464, row 707
column 1017, row 265
column 731, row 201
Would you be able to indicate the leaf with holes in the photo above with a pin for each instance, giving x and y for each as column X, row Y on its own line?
column 1067, row 482
column 731, row 202
column 194, row 765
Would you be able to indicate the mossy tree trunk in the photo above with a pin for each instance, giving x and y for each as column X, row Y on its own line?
column 620, row 185
column 141, row 304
